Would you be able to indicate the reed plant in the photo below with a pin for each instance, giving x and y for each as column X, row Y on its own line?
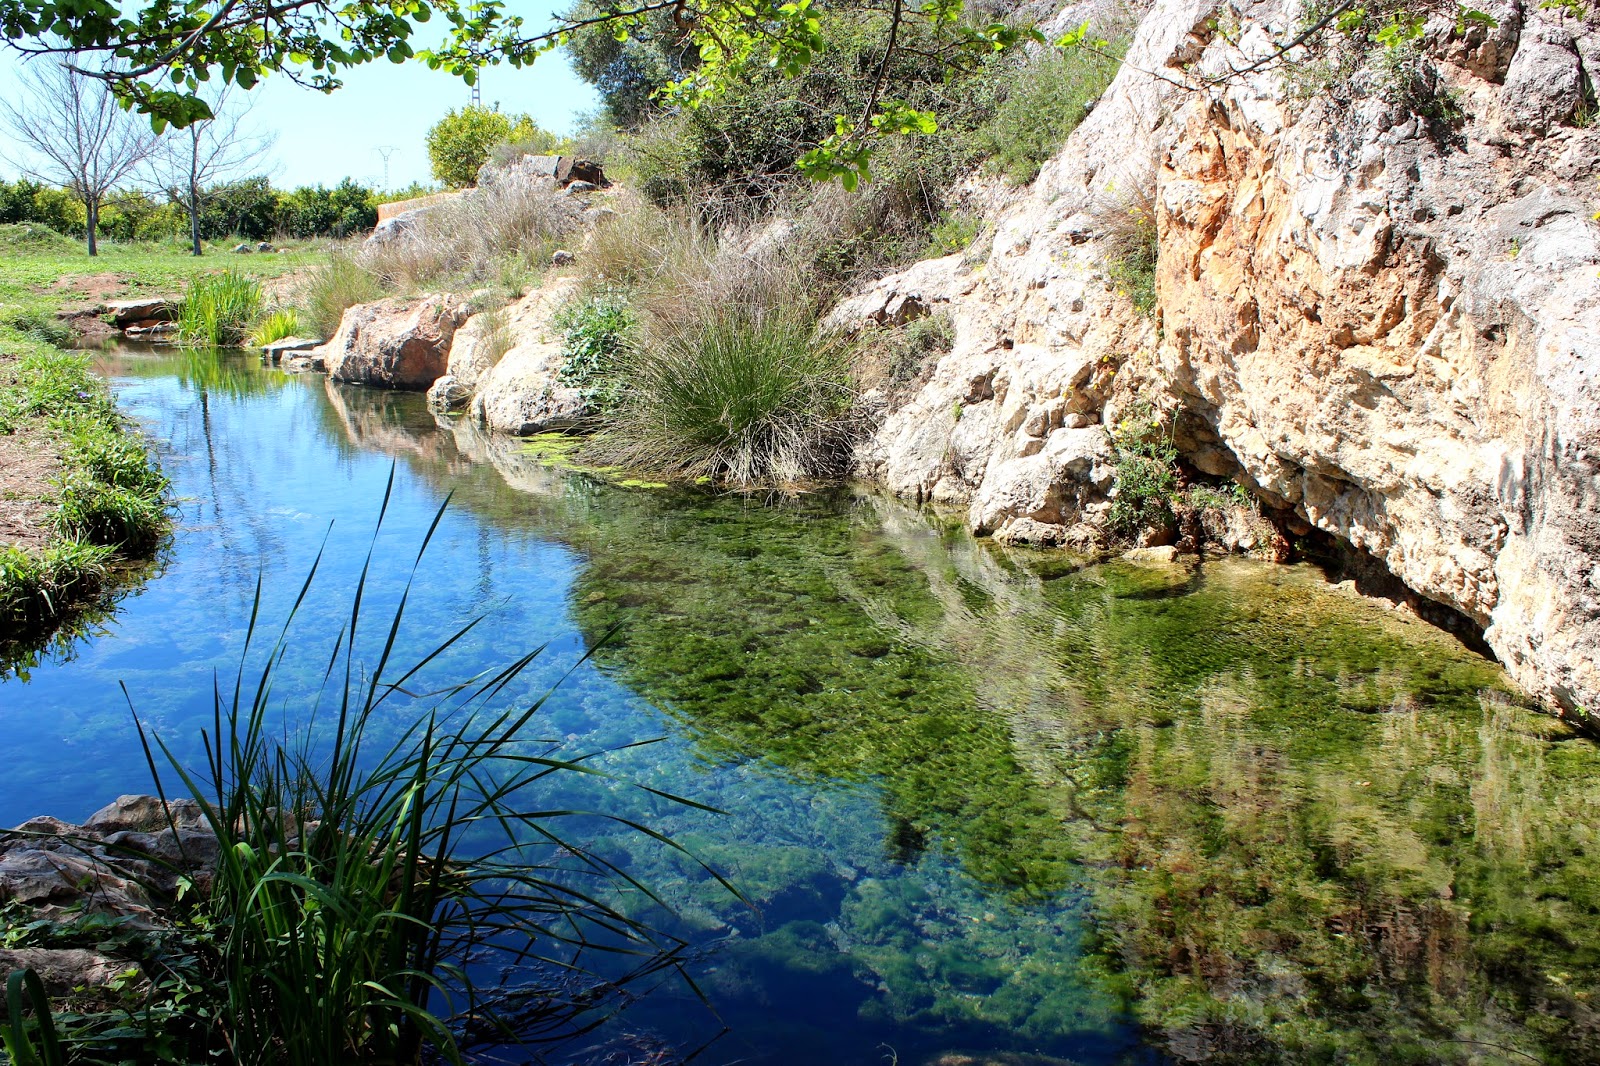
column 217, row 309
column 275, row 325
column 373, row 868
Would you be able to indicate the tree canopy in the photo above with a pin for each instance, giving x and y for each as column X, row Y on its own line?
column 157, row 54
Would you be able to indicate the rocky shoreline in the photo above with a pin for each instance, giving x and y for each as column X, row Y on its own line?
column 123, row 864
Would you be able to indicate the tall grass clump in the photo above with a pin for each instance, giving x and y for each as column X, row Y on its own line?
column 39, row 588
column 336, row 286
column 1125, row 216
column 217, row 309
column 742, row 392
column 277, row 324
column 1046, row 96
column 376, row 862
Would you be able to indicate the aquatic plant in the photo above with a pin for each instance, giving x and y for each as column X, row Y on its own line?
column 277, row 324
column 217, row 309
column 744, row 393
column 368, row 868
column 37, row 588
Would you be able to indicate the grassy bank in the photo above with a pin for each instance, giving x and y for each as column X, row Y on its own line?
column 80, row 496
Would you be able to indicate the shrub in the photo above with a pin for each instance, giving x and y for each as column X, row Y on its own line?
column 735, row 391
column 595, row 334
column 314, row 211
column 248, row 208
column 459, row 144
column 1045, row 96
column 952, row 232
column 217, row 309
column 342, row 283
column 1146, row 479
column 897, row 357
column 1127, row 221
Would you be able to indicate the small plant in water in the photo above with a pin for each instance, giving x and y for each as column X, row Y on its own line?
column 374, row 864
column 217, row 309
column 279, row 323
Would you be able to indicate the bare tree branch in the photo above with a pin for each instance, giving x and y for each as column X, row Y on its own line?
column 77, row 135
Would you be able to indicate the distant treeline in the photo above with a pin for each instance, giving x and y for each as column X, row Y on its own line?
column 249, row 209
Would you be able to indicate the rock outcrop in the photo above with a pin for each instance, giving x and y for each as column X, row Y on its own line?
column 399, row 343
column 1384, row 323
column 521, row 393
column 121, row 863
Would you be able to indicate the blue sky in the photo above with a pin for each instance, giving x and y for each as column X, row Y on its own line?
column 322, row 138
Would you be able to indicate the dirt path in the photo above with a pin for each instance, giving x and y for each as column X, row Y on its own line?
column 29, row 464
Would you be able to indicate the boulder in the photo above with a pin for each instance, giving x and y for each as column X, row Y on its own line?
column 243, row 249
column 397, row 343
column 522, row 392
column 146, row 309
column 276, row 350
column 474, row 350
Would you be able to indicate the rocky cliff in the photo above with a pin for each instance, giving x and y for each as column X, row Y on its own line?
column 1378, row 309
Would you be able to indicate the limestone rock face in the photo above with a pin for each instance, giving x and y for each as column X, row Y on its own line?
column 1385, row 325
column 520, row 393
column 398, row 343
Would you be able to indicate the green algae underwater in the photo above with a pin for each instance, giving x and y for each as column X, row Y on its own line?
column 1007, row 807
column 1268, row 820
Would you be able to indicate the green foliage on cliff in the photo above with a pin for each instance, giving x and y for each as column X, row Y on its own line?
column 1042, row 100
column 1146, row 474
column 595, row 333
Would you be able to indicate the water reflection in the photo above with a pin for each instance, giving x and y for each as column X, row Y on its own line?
column 994, row 805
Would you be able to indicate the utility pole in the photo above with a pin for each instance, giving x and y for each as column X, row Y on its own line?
column 386, row 150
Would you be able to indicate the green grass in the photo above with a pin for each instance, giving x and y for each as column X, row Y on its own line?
column 110, row 504
column 217, row 310
column 736, row 392
column 277, row 324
